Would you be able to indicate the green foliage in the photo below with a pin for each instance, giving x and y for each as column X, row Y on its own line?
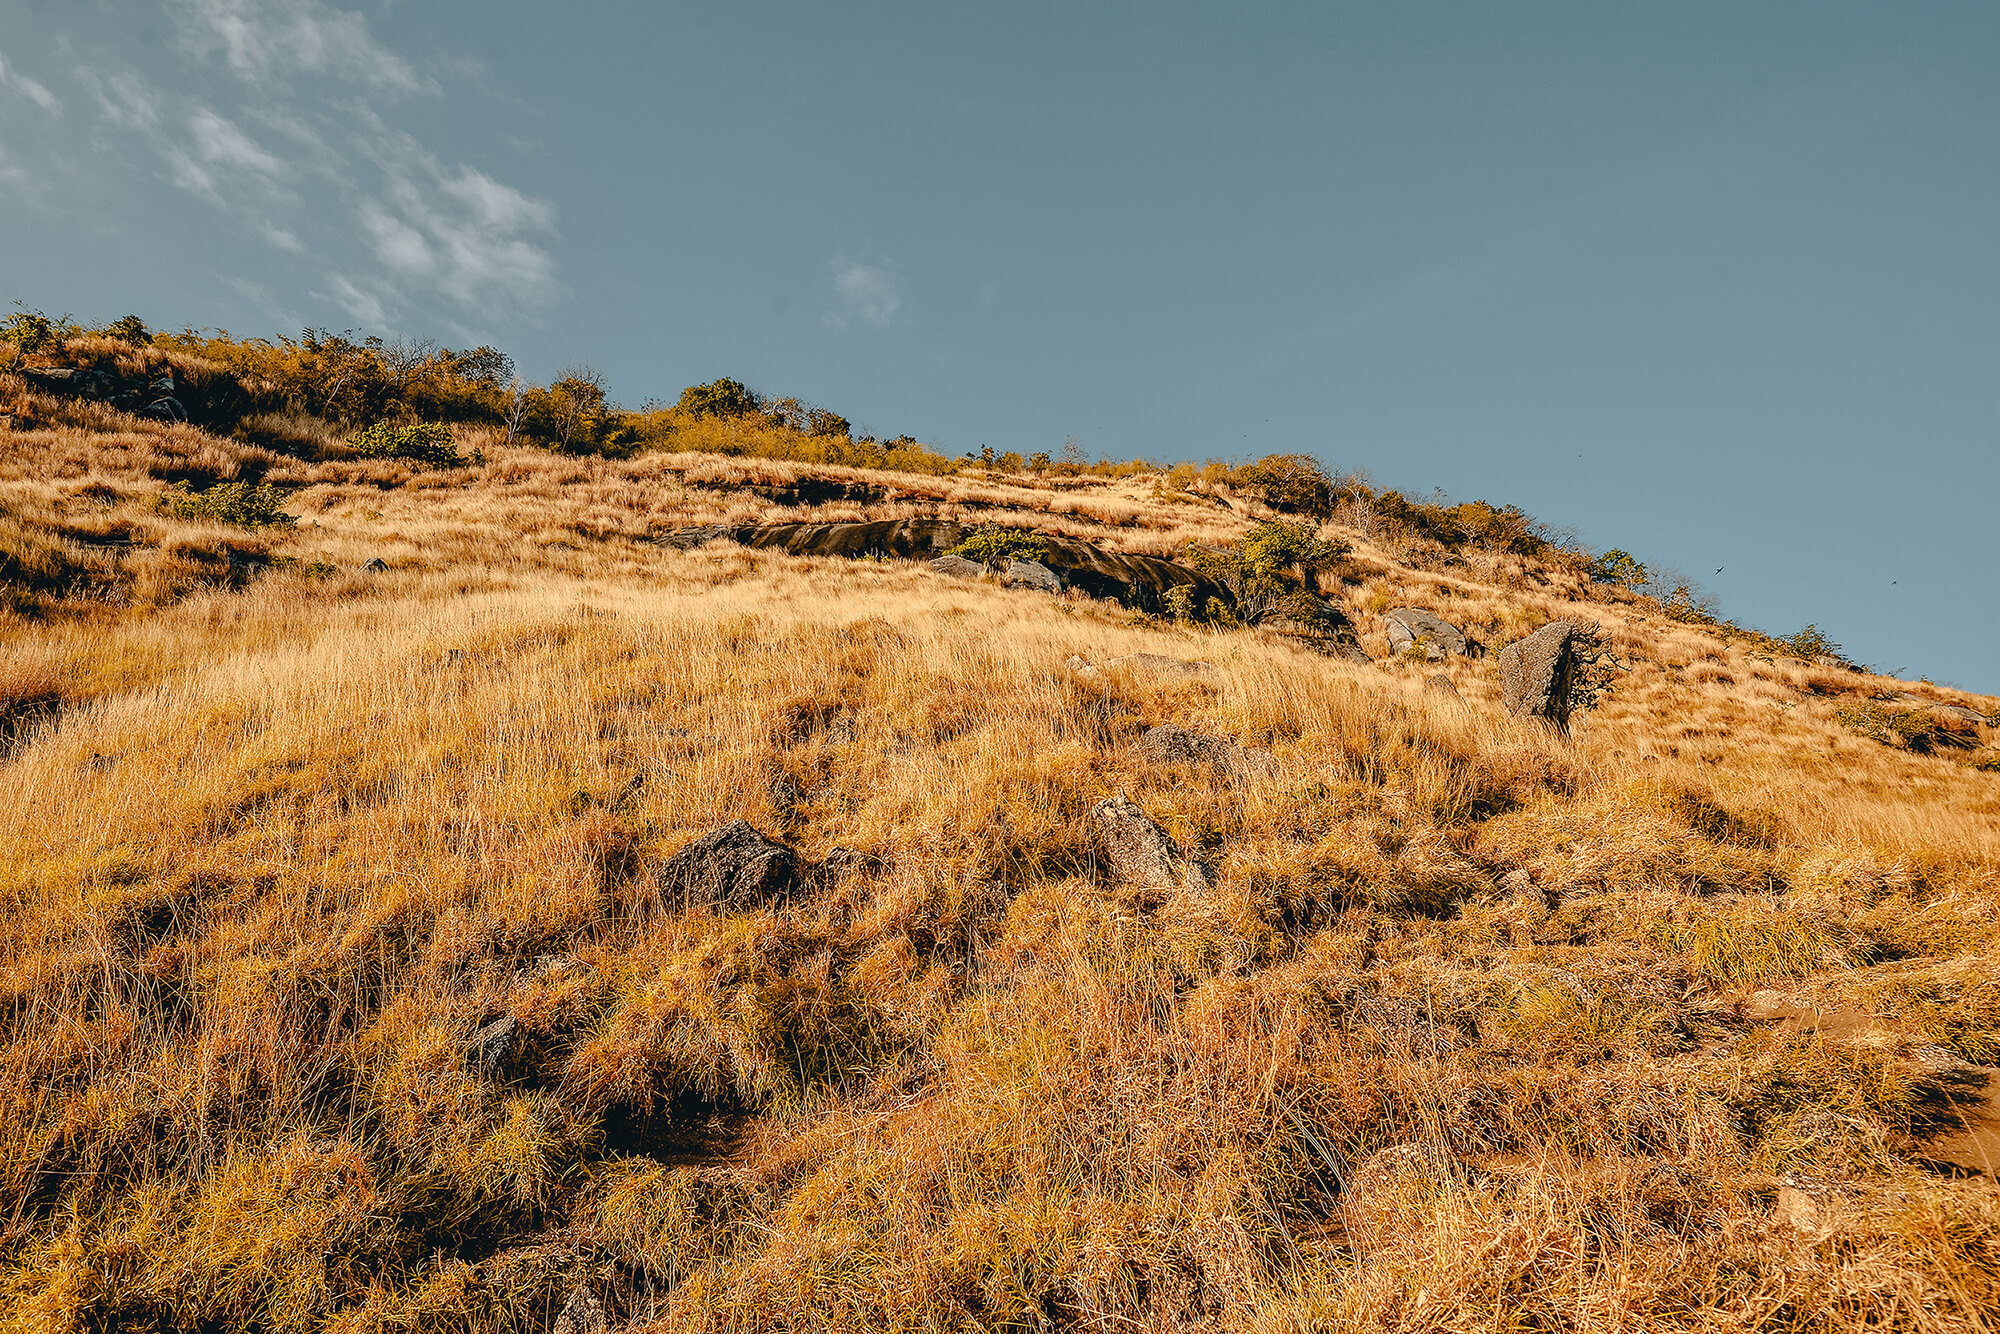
column 129, row 329
column 1918, row 730
column 1271, row 570
column 995, row 545
column 1617, row 567
column 1290, row 484
column 1809, row 644
column 229, row 502
column 718, row 398
column 32, row 332
column 420, row 442
column 1472, row 523
column 1689, row 605
column 1040, row 461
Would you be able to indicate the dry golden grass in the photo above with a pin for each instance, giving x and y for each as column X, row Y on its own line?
column 273, row 846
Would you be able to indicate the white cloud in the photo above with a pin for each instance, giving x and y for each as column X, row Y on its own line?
column 270, row 41
column 455, row 229
column 32, row 89
column 366, row 307
column 123, row 100
column 870, row 293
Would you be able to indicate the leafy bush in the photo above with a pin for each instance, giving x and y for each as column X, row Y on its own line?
column 1270, row 570
column 1918, row 730
column 993, row 544
column 1617, row 567
column 229, row 502
column 1809, row 644
column 129, row 329
column 31, row 331
column 718, row 398
column 419, row 442
column 1290, row 484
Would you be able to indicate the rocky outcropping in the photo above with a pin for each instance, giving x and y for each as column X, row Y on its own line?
column 1170, row 743
column 1408, row 626
column 1141, row 582
column 1140, row 854
column 1031, row 574
column 732, row 867
column 957, row 566
column 1536, row 674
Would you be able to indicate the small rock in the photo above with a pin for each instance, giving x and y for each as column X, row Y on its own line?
column 581, row 1314
column 957, row 566
column 1536, row 672
column 1172, row 744
column 1031, row 574
column 1139, row 852
column 1407, row 625
column 1441, row 684
column 376, row 566
column 731, row 867
column 492, row 1045
column 1081, row 669
column 1804, row 1203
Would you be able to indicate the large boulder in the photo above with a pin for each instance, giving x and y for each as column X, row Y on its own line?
column 1140, row 854
column 1031, row 574
column 957, row 566
column 1536, row 674
column 1409, row 625
column 731, row 867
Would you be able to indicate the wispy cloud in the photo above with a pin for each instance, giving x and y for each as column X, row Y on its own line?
column 269, row 41
column 299, row 139
column 124, row 101
column 868, row 293
column 33, row 90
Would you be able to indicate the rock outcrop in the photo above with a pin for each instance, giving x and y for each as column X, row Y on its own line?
column 731, row 867
column 1409, row 625
column 1031, row 574
column 1536, row 674
column 956, row 566
column 1141, row 582
column 1170, row 743
column 1140, row 854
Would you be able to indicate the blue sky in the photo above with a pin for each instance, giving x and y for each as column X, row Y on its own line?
column 1715, row 283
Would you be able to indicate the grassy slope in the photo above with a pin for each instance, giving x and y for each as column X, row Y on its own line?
column 294, row 840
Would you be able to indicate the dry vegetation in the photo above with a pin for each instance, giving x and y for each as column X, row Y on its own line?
column 1683, row 1016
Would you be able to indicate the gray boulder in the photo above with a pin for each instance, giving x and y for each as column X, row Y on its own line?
column 1031, row 574
column 376, row 566
column 1171, row 744
column 1536, row 674
column 1139, row 853
column 731, row 867
column 957, row 566
column 1407, row 625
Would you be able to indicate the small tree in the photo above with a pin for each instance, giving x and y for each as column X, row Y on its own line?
column 577, row 408
column 1271, row 570
column 1290, row 484
column 718, row 398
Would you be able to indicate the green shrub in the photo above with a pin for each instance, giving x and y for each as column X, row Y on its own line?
column 1917, row 730
column 993, row 544
column 1270, row 571
column 1809, row 644
column 31, row 331
column 419, row 442
column 229, row 502
column 1290, row 484
column 1617, row 567
column 718, row 398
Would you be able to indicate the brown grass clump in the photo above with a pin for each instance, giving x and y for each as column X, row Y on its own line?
column 341, row 989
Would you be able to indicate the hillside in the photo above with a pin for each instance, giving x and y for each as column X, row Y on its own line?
column 363, row 966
